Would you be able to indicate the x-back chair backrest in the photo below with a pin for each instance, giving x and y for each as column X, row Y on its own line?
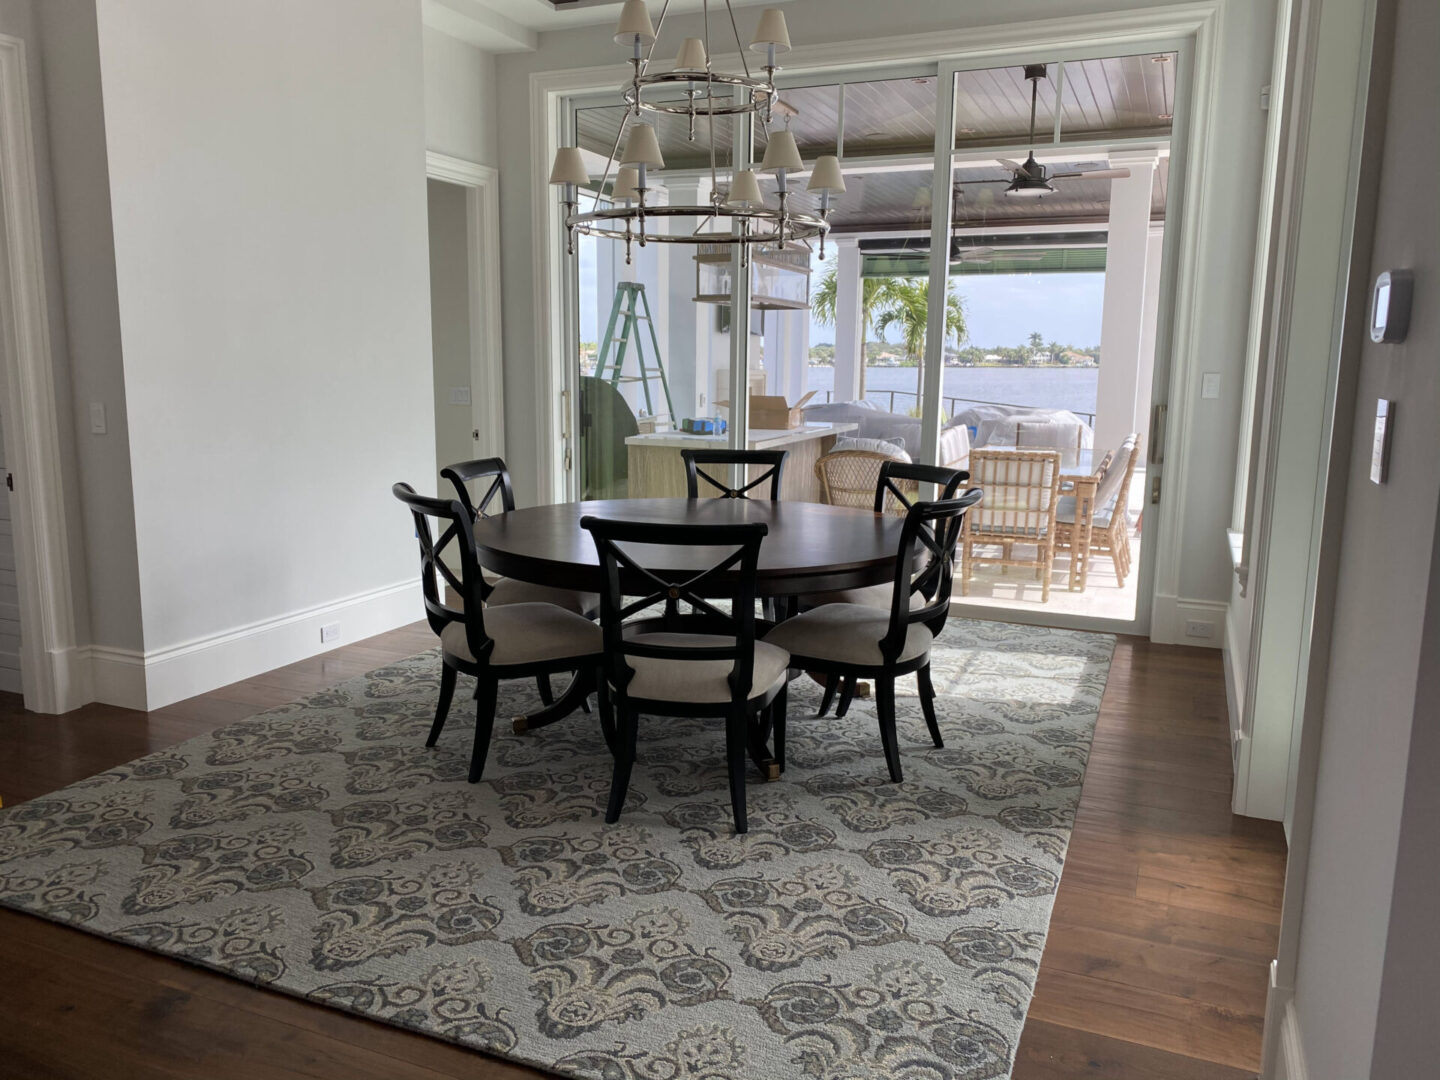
column 736, row 568
column 491, row 469
column 935, row 526
column 693, row 459
column 454, row 525
column 900, row 480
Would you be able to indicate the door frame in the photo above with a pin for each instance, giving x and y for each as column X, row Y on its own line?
column 482, row 234
column 54, row 671
column 1196, row 154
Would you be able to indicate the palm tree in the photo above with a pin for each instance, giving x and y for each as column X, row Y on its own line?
column 900, row 302
column 822, row 305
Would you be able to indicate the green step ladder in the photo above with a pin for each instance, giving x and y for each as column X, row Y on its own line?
column 629, row 302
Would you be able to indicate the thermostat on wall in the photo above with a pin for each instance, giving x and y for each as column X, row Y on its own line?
column 1390, row 306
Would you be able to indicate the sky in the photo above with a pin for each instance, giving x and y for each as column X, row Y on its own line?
column 1003, row 309
column 1000, row 309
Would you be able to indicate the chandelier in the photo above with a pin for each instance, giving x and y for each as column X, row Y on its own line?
column 736, row 214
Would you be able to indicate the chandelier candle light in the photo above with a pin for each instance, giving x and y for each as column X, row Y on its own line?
column 737, row 213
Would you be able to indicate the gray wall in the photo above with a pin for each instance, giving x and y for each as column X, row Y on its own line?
column 449, row 320
column 1368, row 957
column 1229, row 233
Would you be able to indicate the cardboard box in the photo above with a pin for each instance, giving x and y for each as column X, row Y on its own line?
column 773, row 412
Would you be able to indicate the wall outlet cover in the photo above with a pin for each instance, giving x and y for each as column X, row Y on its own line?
column 330, row 632
column 459, row 395
column 1210, row 385
column 97, row 418
column 1199, row 628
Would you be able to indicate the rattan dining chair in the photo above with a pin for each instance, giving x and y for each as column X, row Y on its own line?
column 773, row 462
column 850, row 478
column 514, row 641
column 705, row 663
column 854, row 641
column 1021, row 490
column 1109, row 523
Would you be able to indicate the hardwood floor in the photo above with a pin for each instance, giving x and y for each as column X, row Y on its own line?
column 1155, row 966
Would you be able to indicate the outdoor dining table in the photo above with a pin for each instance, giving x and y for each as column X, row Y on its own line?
column 809, row 548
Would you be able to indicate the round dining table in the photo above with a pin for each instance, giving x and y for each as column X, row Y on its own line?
column 809, row 548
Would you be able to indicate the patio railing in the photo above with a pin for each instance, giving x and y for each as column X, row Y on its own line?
column 951, row 401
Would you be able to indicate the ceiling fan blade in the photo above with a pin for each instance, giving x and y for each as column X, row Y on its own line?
column 1014, row 166
column 997, row 180
column 1096, row 174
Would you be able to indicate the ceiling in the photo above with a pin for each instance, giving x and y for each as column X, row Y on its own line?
column 513, row 25
column 888, row 139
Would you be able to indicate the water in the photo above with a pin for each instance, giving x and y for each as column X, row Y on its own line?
column 1048, row 388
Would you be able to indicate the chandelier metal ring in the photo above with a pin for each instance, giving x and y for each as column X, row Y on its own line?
column 794, row 225
column 761, row 92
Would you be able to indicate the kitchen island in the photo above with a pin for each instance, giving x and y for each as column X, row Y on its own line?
column 656, row 470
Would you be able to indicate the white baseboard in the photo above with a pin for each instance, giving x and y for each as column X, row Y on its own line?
column 160, row 677
column 1169, row 614
column 1290, row 1062
column 1236, row 656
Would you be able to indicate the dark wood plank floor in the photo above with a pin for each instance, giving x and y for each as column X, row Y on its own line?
column 1155, row 967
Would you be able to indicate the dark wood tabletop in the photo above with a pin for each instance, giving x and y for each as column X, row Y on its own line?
column 811, row 547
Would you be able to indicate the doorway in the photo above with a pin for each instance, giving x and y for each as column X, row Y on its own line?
column 463, row 229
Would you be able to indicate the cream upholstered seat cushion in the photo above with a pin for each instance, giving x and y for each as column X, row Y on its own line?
column 700, row 681
column 527, row 634
column 846, row 634
column 509, row 591
column 871, row 596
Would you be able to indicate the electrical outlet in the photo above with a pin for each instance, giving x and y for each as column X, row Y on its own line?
column 459, row 395
column 1199, row 628
column 97, row 418
column 1210, row 385
column 329, row 632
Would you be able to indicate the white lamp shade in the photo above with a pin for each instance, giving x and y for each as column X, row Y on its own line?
column 692, row 55
column 625, row 179
column 634, row 22
column 771, row 31
column 569, row 167
column 745, row 190
column 642, row 148
column 827, row 175
column 782, row 153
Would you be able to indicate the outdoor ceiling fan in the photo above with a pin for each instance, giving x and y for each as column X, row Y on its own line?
column 1031, row 178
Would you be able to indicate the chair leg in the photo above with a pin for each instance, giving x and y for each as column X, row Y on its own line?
column 485, row 695
column 828, row 698
column 607, row 713
column 542, row 684
column 442, row 707
column 847, row 694
column 927, row 703
column 885, row 709
column 626, row 738
column 967, row 560
column 778, row 727
column 737, row 732
column 1047, row 559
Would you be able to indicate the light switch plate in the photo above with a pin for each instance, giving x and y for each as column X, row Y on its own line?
column 97, row 418
column 1210, row 384
column 459, row 395
column 1380, row 447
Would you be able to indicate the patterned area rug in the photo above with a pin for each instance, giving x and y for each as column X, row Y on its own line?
column 862, row 929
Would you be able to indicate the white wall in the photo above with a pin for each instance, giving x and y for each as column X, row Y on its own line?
column 459, row 99
column 1222, row 290
column 266, row 167
column 1365, row 991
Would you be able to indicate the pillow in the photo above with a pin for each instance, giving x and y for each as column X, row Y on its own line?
column 875, row 446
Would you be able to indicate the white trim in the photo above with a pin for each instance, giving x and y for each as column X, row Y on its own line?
column 1170, row 613
column 1196, row 161
column 160, row 677
column 1283, row 1021
column 55, row 674
column 482, row 222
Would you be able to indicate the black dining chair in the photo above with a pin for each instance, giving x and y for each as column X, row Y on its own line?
column 494, row 478
column 774, row 460
column 703, row 663
column 897, row 486
column 516, row 641
column 856, row 641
